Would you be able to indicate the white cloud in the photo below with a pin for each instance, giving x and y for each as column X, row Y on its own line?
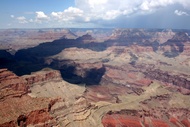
column 69, row 14
column 41, row 16
column 112, row 14
column 98, row 11
column 145, row 6
column 111, row 9
column 12, row 16
column 72, row 10
column 22, row 20
column 184, row 3
column 180, row 13
column 104, row 9
column 93, row 11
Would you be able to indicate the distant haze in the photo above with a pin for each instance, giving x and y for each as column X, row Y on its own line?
column 95, row 14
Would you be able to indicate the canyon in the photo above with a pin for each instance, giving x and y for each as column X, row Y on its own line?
column 94, row 78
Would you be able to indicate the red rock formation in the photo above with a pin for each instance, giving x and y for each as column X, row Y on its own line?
column 159, row 123
column 42, row 76
column 9, row 124
column 168, row 78
column 174, row 121
column 139, row 49
column 144, row 82
column 133, row 118
column 11, row 85
column 186, row 122
column 38, row 116
column 99, row 93
column 17, row 108
column 123, row 76
column 120, row 120
column 29, row 110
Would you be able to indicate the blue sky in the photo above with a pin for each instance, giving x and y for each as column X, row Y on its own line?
column 95, row 14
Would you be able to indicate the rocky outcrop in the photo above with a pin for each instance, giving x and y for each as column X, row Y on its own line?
column 87, row 38
column 134, row 118
column 42, row 76
column 175, row 46
column 168, row 78
column 25, row 111
column 123, row 76
column 38, row 118
column 11, row 85
column 120, row 120
column 103, row 93
column 186, row 51
column 43, row 118
column 19, row 109
column 139, row 49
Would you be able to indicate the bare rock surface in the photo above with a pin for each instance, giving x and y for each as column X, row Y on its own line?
column 94, row 78
column 17, row 108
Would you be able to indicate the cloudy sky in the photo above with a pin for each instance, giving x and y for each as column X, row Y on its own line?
column 95, row 14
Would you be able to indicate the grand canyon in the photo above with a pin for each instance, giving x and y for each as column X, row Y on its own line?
column 94, row 77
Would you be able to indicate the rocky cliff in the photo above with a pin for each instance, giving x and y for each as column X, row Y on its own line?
column 19, row 109
column 12, row 85
column 134, row 118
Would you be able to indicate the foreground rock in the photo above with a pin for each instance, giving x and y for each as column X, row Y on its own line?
column 134, row 118
column 11, row 85
column 19, row 109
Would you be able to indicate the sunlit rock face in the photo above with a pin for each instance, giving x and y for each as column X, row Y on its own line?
column 12, row 85
column 95, row 78
column 17, row 108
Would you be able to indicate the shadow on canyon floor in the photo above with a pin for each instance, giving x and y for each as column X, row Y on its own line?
column 91, row 77
column 26, row 61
